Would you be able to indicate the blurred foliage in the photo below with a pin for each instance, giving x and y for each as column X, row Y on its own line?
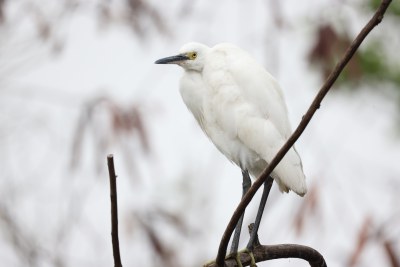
column 141, row 16
column 2, row 10
column 110, row 124
column 394, row 8
column 371, row 64
column 374, row 65
column 372, row 233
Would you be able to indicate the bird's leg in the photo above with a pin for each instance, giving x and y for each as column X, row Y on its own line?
column 264, row 197
column 236, row 236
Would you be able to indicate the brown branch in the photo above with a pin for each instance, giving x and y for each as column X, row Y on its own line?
column 114, row 211
column 375, row 20
column 266, row 253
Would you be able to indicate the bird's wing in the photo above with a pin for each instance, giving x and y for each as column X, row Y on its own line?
column 248, row 104
column 256, row 85
column 261, row 136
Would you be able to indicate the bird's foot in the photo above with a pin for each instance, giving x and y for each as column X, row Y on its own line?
column 209, row 263
column 236, row 256
column 252, row 259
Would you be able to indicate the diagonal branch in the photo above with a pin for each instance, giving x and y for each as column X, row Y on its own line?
column 114, row 211
column 375, row 20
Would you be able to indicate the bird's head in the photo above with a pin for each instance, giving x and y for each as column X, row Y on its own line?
column 190, row 57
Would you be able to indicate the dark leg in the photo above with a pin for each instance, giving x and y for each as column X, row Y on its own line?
column 264, row 197
column 236, row 236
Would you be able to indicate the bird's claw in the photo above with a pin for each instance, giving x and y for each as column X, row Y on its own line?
column 236, row 256
column 253, row 260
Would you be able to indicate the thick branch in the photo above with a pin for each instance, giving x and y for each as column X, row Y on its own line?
column 114, row 211
column 266, row 253
column 375, row 20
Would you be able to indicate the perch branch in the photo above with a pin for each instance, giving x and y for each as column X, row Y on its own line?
column 114, row 211
column 375, row 20
column 266, row 253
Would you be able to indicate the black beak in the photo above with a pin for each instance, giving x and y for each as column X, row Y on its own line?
column 172, row 60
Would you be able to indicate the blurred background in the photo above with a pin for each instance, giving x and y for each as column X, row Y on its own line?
column 77, row 82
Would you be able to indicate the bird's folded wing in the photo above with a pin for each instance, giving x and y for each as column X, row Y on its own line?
column 261, row 136
column 235, row 67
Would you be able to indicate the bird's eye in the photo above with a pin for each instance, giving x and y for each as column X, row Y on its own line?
column 194, row 55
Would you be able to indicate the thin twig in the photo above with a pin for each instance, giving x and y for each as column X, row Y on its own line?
column 375, row 20
column 114, row 211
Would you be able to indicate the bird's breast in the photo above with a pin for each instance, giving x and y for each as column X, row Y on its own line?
column 192, row 90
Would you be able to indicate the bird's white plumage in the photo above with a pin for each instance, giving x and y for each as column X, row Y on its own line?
column 241, row 108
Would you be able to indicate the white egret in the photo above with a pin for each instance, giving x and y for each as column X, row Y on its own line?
column 241, row 108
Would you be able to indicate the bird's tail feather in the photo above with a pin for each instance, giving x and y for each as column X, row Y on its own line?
column 261, row 136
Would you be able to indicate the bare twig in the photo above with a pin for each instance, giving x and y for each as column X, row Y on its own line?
column 265, row 253
column 114, row 211
column 375, row 20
